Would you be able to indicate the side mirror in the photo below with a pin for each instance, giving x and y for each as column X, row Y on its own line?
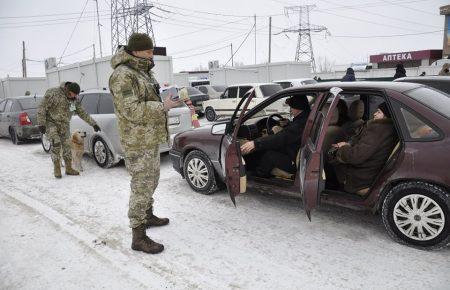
column 218, row 129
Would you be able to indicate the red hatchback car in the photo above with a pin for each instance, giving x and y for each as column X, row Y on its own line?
column 411, row 191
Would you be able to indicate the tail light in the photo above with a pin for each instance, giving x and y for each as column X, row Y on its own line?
column 24, row 119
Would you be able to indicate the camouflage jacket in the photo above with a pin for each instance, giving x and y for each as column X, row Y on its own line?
column 140, row 112
column 57, row 110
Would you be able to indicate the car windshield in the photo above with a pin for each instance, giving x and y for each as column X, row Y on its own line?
column 30, row 103
column 434, row 99
column 193, row 91
column 269, row 90
column 219, row 89
column 285, row 85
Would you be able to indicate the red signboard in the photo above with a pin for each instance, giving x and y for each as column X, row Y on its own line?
column 405, row 56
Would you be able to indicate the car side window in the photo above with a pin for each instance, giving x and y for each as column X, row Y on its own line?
column 2, row 106
column 417, row 129
column 106, row 105
column 243, row 90
column 16, row 107
column 203, row 89
column 8, row 105
column 232, row 92
column 90, row 103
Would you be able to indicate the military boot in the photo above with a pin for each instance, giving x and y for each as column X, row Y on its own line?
column 69, row 169
column 154, row 221
column 57, row 168
column 141, row 242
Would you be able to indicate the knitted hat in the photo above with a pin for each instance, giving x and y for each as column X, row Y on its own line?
column 74, row 88
column 384, row 108
column 139, row 42
column 299, row 102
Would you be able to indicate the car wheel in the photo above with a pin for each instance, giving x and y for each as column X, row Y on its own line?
column 199, row 172
column 46, row 144
column 418, row 214
column 210, row 114
column 102, row 154
column 13, row 135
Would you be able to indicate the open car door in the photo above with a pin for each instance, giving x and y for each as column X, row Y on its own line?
column 311, row 169
column 233, row 163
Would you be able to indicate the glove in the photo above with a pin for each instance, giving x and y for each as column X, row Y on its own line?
column 42, row 129
column 96, row 128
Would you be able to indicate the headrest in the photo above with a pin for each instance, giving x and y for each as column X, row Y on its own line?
column 356, row 110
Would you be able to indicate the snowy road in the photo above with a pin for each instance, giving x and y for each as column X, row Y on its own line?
column 73, row 233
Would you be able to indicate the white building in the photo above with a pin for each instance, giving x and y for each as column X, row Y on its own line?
column 14, row 86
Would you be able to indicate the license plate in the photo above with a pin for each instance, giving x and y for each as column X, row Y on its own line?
column 174, row 121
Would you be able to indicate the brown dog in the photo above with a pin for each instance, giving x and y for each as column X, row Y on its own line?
column 77, row 147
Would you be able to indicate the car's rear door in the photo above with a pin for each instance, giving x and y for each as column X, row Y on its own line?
column 235, row 175
column 311, row 170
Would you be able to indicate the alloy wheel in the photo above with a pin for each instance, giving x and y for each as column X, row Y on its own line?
column 100, row 151
column 197, row 172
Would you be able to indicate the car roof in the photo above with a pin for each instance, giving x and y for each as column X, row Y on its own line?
column 294, row 80
column 396, row 86
column 95, row 91
column 251, row 84
column 22, row 97
column 424, row 78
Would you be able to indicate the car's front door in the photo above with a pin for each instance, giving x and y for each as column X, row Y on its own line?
column 233, row 163
column 311, row 169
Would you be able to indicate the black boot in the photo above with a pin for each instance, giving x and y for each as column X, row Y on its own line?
column 141, row 242
column 154, row 221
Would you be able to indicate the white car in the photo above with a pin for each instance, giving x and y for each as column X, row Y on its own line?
column 229, row 100
column 214, row 92
column 295, row 82
column 105, row 145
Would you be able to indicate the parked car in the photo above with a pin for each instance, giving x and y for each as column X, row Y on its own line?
column 411, row 192
column 18, row 118
column 441, row 83
column 295, row 82
column 105, row 145
column 228, row 101
column 197, row 98
column 213, row 92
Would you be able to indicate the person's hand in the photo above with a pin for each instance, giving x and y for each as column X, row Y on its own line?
column 169, row 104
column 96, row 128
column 284, row 122
column 340, row 144
column 248, row 147
column 42, row 129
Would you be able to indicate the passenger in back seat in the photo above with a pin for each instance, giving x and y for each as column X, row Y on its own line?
column 359, row 161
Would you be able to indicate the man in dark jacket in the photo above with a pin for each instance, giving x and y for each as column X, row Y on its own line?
column 349, row 76
column 280, row 150
column 400, row 71
column 358, row 162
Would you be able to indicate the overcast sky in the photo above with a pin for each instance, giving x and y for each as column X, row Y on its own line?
column 196, row 32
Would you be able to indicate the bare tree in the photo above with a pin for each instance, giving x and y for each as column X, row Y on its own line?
column 324, row 65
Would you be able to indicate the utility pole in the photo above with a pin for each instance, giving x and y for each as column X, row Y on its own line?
column 98, row 25
column 24, row 61
column 270, row 37
column 255, row 36
column 304, row 51
column 232, row 61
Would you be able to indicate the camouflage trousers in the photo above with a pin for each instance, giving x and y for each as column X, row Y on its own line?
column 59, row 138
column 143, row 166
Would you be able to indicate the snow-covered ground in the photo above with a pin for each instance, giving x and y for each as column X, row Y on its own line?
column 73, row 234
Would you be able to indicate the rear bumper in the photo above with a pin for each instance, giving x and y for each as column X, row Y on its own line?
column 28, row 132
column 175, row 158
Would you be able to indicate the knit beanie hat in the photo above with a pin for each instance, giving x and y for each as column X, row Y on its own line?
column 139, row 42
column 299, row 102
column 74, row 88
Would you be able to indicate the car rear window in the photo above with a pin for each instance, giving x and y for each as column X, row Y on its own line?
column 269, row 90
column 193, row 91
column 434, row 99
column 30, row 103
column 309, row 82
column 219, row 89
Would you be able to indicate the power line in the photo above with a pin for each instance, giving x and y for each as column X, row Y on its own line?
column 51, row 20
column 205, row 52
column 248, row 34
column 386, row 36
column 76, row 24
column 47, row 24
column 46, row 15
column 410, row 8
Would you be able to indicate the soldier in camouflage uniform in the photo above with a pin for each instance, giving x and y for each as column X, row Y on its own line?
column 142, row 118
column 54, row 114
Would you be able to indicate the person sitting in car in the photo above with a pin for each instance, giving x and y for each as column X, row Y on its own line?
column 280, row 150
column 358, row 161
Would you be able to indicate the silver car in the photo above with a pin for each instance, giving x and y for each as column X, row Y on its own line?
column 105, row 145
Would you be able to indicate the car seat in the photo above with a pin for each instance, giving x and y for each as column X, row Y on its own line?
column 355, row 114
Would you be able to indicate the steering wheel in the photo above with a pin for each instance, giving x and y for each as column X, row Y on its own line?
column 271, row 121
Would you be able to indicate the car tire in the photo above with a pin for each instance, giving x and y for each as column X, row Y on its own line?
column 210, row 114
column 13, row 135
column 199, row 172
column 418, row 214
column 46, row 144
column 102, row 154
